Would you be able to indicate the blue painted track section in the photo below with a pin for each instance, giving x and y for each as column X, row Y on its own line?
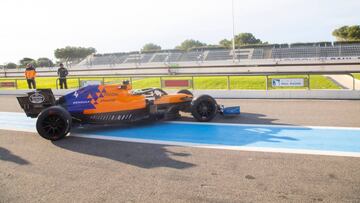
column 331, row 139
column 269, row 136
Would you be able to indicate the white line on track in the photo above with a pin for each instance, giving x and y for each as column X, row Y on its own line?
column 265, row 126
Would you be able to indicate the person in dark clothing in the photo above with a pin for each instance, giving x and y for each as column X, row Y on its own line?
column 62, row 73
column 30, row 75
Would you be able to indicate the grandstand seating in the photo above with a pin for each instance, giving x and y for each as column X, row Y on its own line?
column 329, row 52
column 285, row 51
column 258, row 54
column 174, row 57
column 302, row 52
column 192, row 56
column 316, row 52
column 219, row 55
column 161, row 57
column 350, row 50
column 133, row 58
column 145, row 58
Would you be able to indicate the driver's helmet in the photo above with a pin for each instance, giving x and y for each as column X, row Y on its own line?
column 126, row 85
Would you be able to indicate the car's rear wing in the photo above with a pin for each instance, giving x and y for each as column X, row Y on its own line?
column 34, row 102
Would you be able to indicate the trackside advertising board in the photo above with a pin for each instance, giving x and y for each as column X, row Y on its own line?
column 287, row 82
column 176, row 83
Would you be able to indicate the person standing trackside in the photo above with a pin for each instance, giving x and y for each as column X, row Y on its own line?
column 62, row 73
column 30, row 74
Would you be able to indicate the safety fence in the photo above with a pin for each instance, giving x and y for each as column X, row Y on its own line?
column 203, row 82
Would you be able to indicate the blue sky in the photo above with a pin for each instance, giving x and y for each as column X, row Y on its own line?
column 35, row 28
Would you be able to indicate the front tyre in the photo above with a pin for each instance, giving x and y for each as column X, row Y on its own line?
column 204, row 108
column 53, row 123
column 184, row 91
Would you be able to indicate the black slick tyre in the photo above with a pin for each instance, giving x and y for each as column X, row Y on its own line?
column 204, row 108
column 54, row 123
column 184, row 91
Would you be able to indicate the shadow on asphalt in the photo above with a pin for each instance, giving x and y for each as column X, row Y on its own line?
column 156, row 155
column 137, row 154
column 243, row 118
column 6, row 155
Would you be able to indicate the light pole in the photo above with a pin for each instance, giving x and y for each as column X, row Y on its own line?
column 233, row 27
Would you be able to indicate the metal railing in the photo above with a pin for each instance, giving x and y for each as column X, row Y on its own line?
column 227, row 82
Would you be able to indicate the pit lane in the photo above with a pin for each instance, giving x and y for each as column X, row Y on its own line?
column 269, row 138
column 98, row 170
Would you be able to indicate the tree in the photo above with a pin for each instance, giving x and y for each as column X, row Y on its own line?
column 242, row 39
column 44, row 62
column 225, row 43
column 151, row 47
column 10, row 66
column 347, row 33
column 69, row 54
column 190, row 43
column 26, row 60
column 246, row 39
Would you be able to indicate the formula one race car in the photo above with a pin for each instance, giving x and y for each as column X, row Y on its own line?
column 113, row 104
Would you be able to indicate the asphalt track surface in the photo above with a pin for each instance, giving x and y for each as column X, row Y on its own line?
column 82, row 170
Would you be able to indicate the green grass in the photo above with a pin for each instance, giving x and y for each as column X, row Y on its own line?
column 321, row 82
column 141, row 83
column 200, row 82
column 356, row 75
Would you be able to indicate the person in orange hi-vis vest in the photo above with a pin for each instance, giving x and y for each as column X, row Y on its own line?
column 30, row 75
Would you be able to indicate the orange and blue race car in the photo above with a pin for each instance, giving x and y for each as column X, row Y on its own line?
column 113, row 104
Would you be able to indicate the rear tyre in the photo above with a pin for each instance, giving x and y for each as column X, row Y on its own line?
column 54, row 123
column 204, row 108
column 185, row 92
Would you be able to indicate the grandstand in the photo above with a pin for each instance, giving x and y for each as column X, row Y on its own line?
column 276, row 51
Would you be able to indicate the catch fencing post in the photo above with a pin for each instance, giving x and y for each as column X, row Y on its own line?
column 353, row 80
column 192, row 82
column 228, row 82
column 308, row 81
column 267, row 81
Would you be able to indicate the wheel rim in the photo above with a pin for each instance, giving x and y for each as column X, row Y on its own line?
column 205, row 109
column 53, row 126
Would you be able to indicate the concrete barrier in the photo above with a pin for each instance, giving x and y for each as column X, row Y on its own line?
column 246, row 94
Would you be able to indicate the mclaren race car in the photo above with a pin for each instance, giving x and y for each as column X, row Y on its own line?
column 112, row 104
